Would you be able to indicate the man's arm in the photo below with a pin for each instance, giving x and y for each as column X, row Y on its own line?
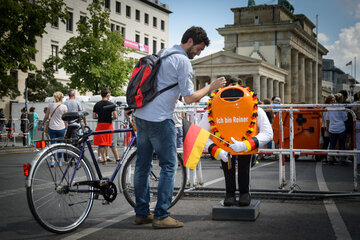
column 218, row 83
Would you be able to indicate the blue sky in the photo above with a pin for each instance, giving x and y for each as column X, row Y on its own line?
column 339, row 24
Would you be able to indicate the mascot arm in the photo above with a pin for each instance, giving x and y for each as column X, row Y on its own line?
column 265, row 131
column 210, row 146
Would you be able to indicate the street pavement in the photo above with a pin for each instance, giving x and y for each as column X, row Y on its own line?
column 281, row 217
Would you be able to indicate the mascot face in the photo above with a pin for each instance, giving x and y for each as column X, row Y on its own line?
column 231, row 114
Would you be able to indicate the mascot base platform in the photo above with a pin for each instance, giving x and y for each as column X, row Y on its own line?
column 236, row 213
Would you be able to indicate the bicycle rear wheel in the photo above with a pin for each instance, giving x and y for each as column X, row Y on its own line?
column 127, row 180
column 57, row 205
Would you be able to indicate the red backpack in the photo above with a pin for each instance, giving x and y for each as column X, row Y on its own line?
column 143, row 82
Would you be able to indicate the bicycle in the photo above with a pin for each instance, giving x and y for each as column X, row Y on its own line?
column 60, row 197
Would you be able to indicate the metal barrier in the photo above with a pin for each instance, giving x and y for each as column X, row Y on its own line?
column 291, row 152
column 8, row 134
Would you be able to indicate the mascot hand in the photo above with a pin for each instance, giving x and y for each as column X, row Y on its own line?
column 223, row 156
column 238, row 146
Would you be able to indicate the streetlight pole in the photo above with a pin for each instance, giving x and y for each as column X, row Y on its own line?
column 316, row 69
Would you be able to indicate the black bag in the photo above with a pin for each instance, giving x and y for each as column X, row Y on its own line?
column 143, row 82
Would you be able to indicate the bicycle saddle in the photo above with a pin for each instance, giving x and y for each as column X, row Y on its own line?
column 70, row 116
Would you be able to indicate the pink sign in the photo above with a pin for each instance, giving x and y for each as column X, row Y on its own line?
column 135, row 45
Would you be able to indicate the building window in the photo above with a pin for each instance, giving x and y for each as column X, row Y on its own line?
column 128, row 11
column 14, row 74
column 83, row 19
column 55, row 53
column 146, row 18
column 118, row 7
column 154, row 22
column 112, row 26
column 162, row 25
column 123, row 31
column 146, row 41
column 118, row 28
column 137, row 38
column 55, row 22
column 137, row 15
column 154, row 47
column 32, row 56
column 69, row 22
column 162, row 45
column 107, row 4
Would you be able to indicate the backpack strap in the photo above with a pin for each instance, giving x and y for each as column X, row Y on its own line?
column 165, row 56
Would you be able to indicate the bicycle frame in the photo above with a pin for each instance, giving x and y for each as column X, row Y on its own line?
column 85, row 141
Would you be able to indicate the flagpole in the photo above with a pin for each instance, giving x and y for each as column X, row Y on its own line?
column 220, row 138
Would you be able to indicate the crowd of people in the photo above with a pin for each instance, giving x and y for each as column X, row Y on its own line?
column 159, row 130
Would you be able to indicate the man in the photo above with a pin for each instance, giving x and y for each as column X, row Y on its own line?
column 105, row 116
column 2, row 120
column 156, row 129
column 73, row 106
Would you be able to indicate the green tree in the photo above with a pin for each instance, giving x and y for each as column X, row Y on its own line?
column 45, row 84
column 21, row 21
column 96, row 57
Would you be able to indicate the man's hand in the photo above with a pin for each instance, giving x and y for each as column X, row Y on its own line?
column 238, row 146
column 223, row 156
column 218, row 83
column 128, row 112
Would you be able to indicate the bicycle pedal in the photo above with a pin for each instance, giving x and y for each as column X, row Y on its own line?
column 105, row 202
column 96, row 196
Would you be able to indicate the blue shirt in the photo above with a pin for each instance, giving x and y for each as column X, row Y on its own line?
column 174, row 69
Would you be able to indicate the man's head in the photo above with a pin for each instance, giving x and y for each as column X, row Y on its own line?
column 233, row 80
column 277, row 100
column 71, row 93
column 194, row 41
column 105, row 93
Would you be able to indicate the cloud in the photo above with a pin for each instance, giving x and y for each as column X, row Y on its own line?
column 357, row 11
column 351, row 6
column 346, row 48
column 323, row 38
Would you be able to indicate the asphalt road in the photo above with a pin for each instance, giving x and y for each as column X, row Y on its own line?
column 280, row 218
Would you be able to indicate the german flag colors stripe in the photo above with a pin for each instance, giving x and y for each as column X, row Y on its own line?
column 194, row 142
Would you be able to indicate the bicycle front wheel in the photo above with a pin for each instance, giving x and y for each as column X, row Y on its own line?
column 127, row 180
column 58, row 204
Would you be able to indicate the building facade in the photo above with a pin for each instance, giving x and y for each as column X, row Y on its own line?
column 144, row 25
column 273, row 34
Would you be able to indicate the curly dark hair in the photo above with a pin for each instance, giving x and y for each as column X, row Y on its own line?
column 197, row 34
column 104, row 92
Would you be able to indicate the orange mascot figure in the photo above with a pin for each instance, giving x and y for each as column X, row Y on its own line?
column 233, row 117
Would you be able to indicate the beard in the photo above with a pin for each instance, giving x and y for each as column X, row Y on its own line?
column 189, row 52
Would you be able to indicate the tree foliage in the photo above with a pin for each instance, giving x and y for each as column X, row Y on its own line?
column 96, row 57
column 21, row 21
column 45, row 84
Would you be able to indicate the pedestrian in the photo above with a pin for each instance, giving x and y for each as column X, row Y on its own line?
column 267, row 101
column 324, row 130
column 34, row 117
column 57, row 126
column 178, row 117
column 73, row 106
column 335, row 123
column 261, row 135
column 2, row 120
column 348, row 123
column 24, row 124
column 156, row 128
column 356, row 110
column 105, row 116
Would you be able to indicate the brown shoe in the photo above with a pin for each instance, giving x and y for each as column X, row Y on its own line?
column 167, row 222
column 146, row 220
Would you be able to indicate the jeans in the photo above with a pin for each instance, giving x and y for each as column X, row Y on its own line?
column 56, row 134
column 161, row 137
column 334, row 137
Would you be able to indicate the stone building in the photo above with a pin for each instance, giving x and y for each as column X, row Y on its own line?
column 275, row 36
column 144, row 25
